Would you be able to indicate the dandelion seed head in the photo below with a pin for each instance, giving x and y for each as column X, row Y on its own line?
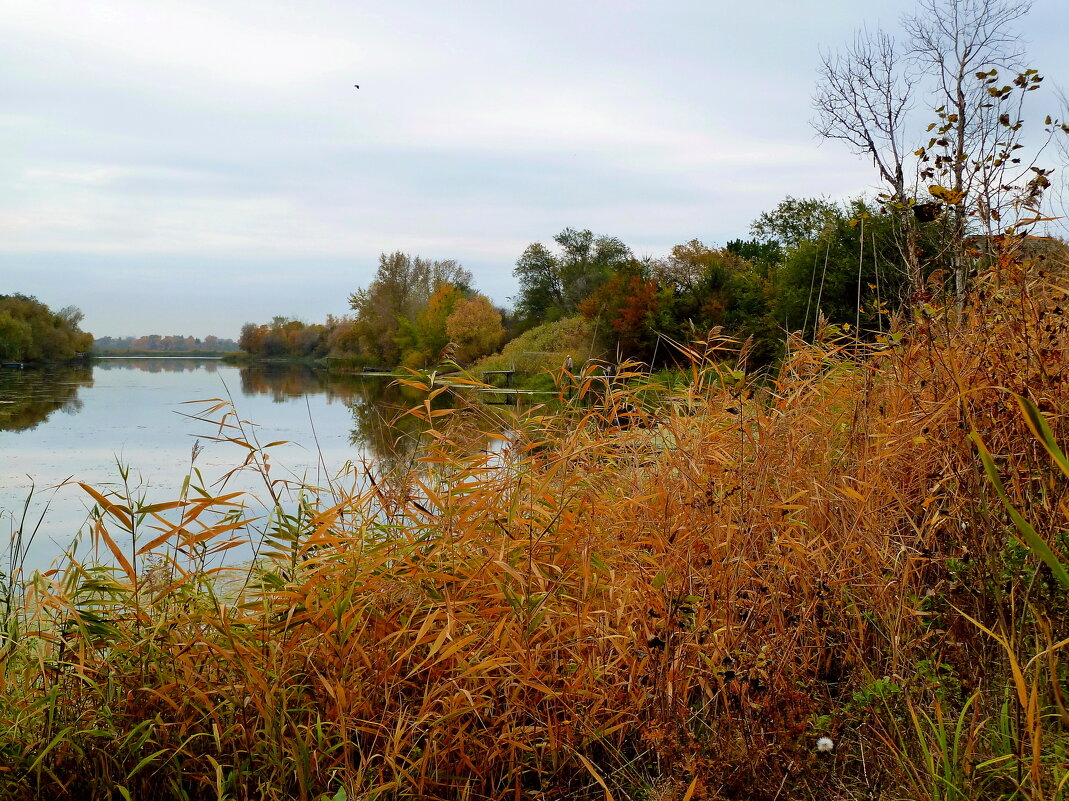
column 825, row 744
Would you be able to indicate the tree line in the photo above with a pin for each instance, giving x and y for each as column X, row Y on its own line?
column 805, row 263
column 415, row 312
column 31, row 332
column 166, row 344
column 939, row 108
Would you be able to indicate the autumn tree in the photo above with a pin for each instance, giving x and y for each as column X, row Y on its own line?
column 422, row 338
column 625, row 308
column 475, row 327
column 965, row 44
column 284, row 337
column 402, row 286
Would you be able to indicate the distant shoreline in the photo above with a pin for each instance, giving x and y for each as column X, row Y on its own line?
column 157, row 354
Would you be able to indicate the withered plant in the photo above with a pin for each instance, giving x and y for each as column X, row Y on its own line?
column 640, row 592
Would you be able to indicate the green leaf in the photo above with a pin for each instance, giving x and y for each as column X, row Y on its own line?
column 1024, row 528
column 1038, row 424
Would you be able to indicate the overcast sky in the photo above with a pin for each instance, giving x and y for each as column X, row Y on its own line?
column 185, row 167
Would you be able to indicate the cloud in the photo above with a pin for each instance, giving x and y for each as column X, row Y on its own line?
column 152, row 153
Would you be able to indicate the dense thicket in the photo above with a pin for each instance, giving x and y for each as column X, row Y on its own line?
column 677, row 607
column 805, row 260
column 31, row 332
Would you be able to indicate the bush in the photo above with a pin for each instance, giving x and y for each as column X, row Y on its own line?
column 545, row 347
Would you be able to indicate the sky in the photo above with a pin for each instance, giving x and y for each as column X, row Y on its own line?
column 186, row 167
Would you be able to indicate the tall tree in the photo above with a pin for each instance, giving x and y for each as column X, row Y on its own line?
column 552, row 285
column 962, row 43
column 949, row 61
column 402, row 287
column 862, row 98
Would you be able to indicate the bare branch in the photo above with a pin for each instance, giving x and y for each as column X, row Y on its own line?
column 862, row 98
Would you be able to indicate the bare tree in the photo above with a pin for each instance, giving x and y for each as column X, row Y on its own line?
column 863, row 97
column 71, row 315
column 973, row 162
column 962, row 44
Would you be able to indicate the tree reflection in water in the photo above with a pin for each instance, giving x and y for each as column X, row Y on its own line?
column 30, row 396
column 159, row 364
column 381, row 426
column 284, row 382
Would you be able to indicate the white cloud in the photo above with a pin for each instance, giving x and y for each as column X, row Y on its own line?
column 188, row 40
column 171, row 134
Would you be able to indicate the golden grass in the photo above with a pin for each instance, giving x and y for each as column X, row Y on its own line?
column 644, row 596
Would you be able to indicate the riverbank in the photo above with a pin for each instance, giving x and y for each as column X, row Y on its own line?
column 846, row 583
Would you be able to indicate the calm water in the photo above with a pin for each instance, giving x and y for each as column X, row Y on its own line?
column 80, row 423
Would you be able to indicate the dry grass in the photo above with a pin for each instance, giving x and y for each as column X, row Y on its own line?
column 643, row 597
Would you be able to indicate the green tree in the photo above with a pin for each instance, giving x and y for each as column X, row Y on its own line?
column 53, row 336
column 15, row 338
column 794, row 221
column 553, row 284
column 848, row 273
column 710, row 287
column 766, row 254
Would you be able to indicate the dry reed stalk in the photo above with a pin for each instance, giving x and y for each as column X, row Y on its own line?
column 642, row 592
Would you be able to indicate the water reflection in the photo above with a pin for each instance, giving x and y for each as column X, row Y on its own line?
column 29, row 397
column 284, row 382
column 381, row 426
column 134, row 414
column 378, row 406
column 159, row 364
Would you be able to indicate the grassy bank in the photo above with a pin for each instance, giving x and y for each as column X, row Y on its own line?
column 345, row 363
column 674, row 609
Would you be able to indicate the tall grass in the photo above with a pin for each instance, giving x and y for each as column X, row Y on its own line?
column 647, row 594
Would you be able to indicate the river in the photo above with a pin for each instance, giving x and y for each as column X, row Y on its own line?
column 90, row 423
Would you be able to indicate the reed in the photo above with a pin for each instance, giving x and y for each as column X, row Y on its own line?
column 646, row 593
